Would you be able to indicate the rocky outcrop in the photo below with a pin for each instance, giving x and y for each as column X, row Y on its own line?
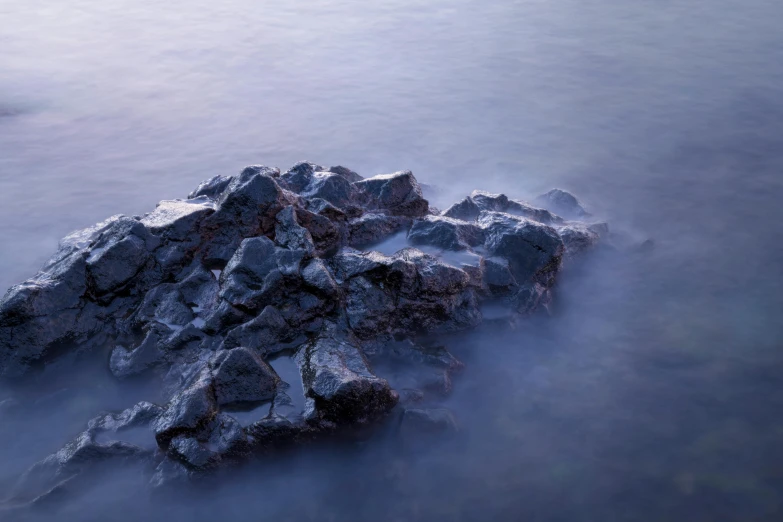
column 210, row 295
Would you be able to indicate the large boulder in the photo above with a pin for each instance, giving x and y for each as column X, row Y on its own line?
column 250, row 272
column 333, row 188
column 222, row 439
column 267, row 333
column 50, row 313
column 246, row 208
column 469, row 208
column 398, row 193
column 290, row 234
column 178, row 220
column 241, row 376
column 373, row 227
column 338, row 379
column 312, row 181
column 346, row 173
column 445, row 232
column 326, row 232
column 534, row 251
column 187, row 412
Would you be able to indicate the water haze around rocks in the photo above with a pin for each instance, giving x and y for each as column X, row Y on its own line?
column 652, row 393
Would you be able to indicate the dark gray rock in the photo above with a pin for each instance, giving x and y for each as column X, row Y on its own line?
column 125, row 362
column 579, row 237
column 164, row 304
column 373, row 227
column 187, row 412
column 242, row 282
column 337, row 377
column 489, row 201
column 563, row 203
column 346, row 173
column 312, row 181
column 534, row 251
column 223, row 438
column 408, row 292
column 211, row 188
column 530, row 298
column 323, row 208
column 118, row 254
column 44, row 316
column 435, row 277
column 290, row 234
column 142, row 414
column 277, row 431
column 445, row 232
column 191, row 452
column 497, row 275
column 298, row 177
column 267, row 333
column 246, row 208
column 350, row 263
column 519, row 208
column 326, row 235
column 241, row 376
column 369, row 308
column 466, row 210
column 399, row 193
column 178, row 220
column 223, row 317
column 199, row 289
column 469, row 208
column 333, row 188
column 317, row 276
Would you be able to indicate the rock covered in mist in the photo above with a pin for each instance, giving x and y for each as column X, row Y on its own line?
column 419, row 426
column 205, row 294
column 563, row 203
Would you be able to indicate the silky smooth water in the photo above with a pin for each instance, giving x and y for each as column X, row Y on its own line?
column 654, row 393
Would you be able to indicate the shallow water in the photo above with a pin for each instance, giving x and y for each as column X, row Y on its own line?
column 653, row 394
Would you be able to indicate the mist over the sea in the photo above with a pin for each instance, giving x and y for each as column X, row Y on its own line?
column 654, row 392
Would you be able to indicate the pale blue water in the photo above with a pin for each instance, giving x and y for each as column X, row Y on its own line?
column 654, row 395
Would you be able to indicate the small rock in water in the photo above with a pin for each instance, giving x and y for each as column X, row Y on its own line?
column 420, row 425
column 563, row 203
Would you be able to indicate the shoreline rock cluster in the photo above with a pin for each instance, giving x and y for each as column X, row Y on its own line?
column 212, row 294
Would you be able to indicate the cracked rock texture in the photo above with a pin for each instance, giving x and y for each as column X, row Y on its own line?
column 209, row 294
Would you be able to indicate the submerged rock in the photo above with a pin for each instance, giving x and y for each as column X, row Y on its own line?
column 417, row 424
column 201, row 294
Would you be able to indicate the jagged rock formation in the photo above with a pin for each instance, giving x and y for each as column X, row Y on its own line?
column 210, row 293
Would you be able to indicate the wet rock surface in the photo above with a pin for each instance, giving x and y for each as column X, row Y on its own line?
column 210, row 295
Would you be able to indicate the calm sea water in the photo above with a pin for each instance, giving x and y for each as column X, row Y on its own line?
column 655, row 393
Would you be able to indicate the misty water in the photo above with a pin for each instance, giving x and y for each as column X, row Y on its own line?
column 653, row 393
